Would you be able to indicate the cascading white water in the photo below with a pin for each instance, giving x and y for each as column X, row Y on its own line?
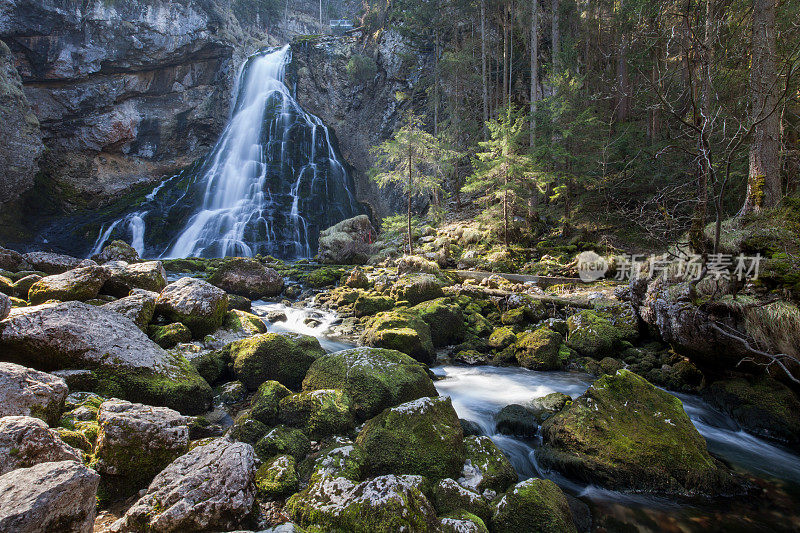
column 272, row 181
column 236, row 191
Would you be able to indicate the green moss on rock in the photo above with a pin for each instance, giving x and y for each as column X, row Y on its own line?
column 445, row 319
column 502, row 338
column 401, row 331
column 272, row 356
column 421, row 437
column 486, row 466
column 368, row 304
column 277, row 478
column 450, row 497
column 598, row 333
column 283, row 440
column 265, row 404
column 540, row 350
column 417, row 288
column 318, row 413
column 170, row 335
column 533, row 505
column 624, row 433
column 374, row 378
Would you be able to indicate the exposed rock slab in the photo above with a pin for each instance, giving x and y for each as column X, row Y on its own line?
column 28, row 392
column 26, row 441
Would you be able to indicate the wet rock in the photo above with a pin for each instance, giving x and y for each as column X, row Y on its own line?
column 385, row 504
column 276, row 316
column 374, row 378
column 486, row 468
column 470, row 428
column 139, row 307
column 194, row 303
column 117, row 251
column 239, row 303
column 760, row 405
column 80, row 284
column 533, row 505
column 272, row 356
column 247, row 277
column 231, row 393
column 208, row 489
column 548, row 405
column 347, row 243
column 135, row 443
column 147, row 276
column 625, row 434
column 117, row 357
column 52, row 496
column 462, row 522
column 26, row 441
column 515, row 419
column 28, row 392
column 596, row 333
column 421, row 437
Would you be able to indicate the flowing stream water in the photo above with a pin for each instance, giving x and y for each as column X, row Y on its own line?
column 273, row 180
column 479, row 392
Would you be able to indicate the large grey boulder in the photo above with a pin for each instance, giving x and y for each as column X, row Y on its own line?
column 124, row 277
column 21, row 142
column 12, row 260
column 209, row 489
column 120, row 360
column 135, row 442
column 247, row 277
column 348, row 242
column 80, row 284
column 55, row 496
column 117, row 251
column 194, row 303
column 26, row 441
column 139, row 306
column 52, row 263
column 27, row 392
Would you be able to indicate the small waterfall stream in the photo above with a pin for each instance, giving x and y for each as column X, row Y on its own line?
column 273, row 180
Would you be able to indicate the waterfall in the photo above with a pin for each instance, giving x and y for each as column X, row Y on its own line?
column 273, row 180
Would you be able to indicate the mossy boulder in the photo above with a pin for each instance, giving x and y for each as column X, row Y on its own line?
column 21, row 286
column 626, row 434
column 79, row 284
column 244, row 322
column 318, row 413
column 347, row 242
column 245, row 429
column 277, row 478
column 124, row 277
column 368, row 304
column 116, row 358
column 502, row 338
column 195, row 303
column 265, row 404
column 273, row 356
column 374, row 378
column 213, row 366
column 170, row 335
column 248, row 278
column 760, row 405
column 444, row 318
column 421, row 437
column 486, row 467
column 533, row 505
column 462, row 522
column 117, row 250
column 450, row 497
column 357, row 279
column 540, row 350
column 401, row 331
column 139, row 306
column 340, row 459
column 324, row 276
column 597, row 333
column 548, row 405
column 385, row 504
column 283, row 440
column 417, row 288
column 515, row 419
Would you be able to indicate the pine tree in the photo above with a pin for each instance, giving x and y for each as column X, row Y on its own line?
column 414, row 160
column 502, row 164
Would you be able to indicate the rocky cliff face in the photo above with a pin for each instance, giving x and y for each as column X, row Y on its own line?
column 360, row 104
column 125, row 90
column 21, row 142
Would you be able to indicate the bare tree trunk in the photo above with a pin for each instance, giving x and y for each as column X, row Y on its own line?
column 534, row 66
column 436, row 85
column 623, row 89
column 410, row 182
column 483, row 71
column 506, row 48
column 505, row 208
column 555, row 31
column 764, row 179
